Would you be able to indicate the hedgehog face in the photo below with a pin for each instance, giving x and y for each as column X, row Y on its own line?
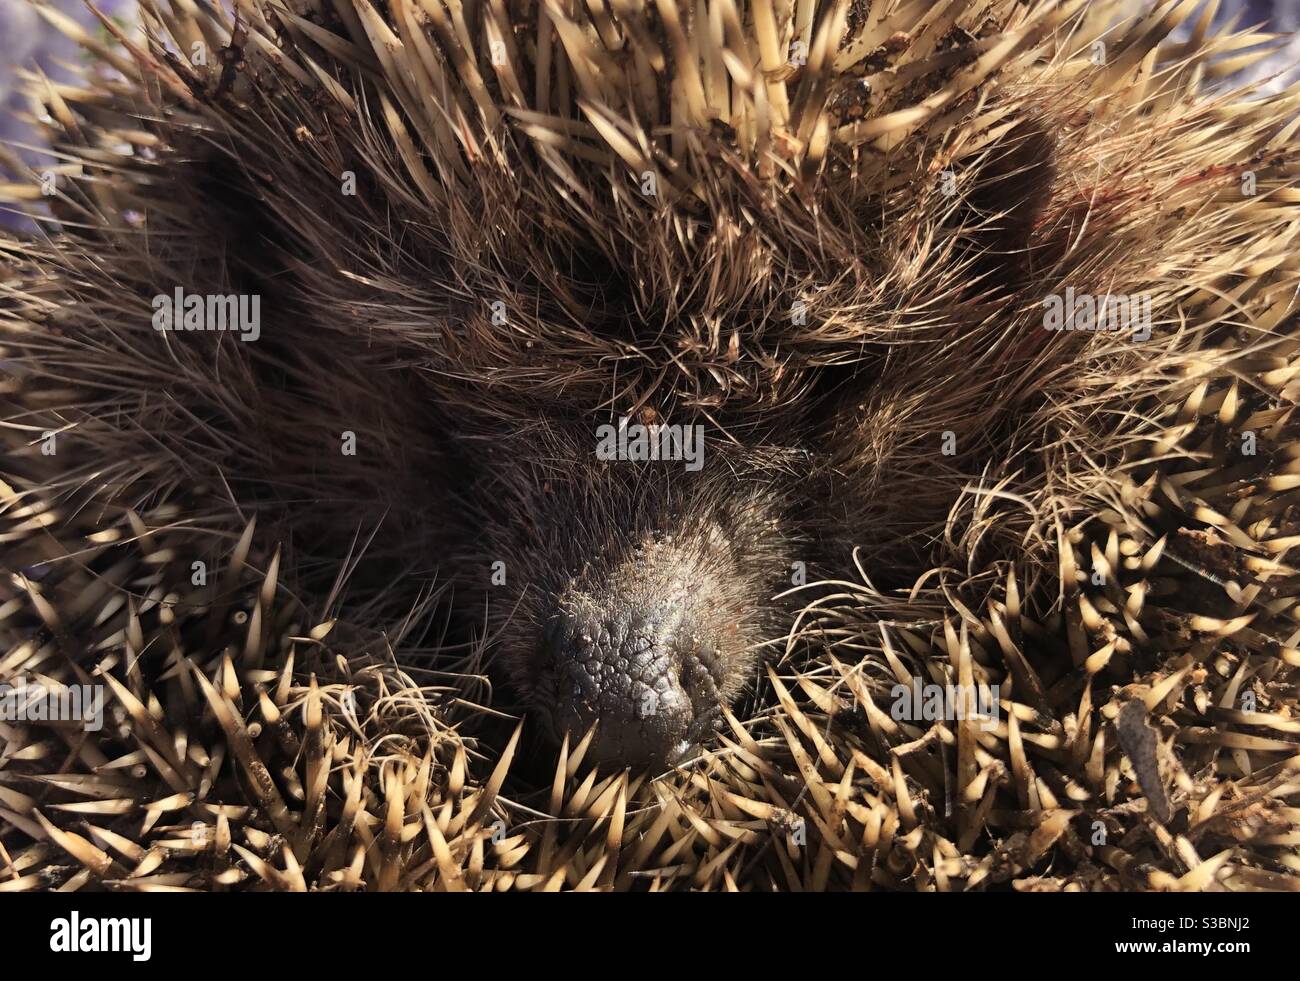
column 637, row 596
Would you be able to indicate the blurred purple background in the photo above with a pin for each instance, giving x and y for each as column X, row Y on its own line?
column 26, row 40
column 1279, row 16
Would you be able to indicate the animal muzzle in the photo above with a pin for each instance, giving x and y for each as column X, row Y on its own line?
column 644, row 670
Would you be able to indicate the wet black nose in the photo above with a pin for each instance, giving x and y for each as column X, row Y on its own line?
column 633, row 669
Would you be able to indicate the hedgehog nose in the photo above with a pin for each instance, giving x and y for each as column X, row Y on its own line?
column 622, row 670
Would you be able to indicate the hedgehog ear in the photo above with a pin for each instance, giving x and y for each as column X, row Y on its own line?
column 1002, row 210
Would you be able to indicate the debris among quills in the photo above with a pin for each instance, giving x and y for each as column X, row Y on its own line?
column 1118, row 567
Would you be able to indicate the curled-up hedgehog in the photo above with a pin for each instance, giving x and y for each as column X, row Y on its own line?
column 704, row 371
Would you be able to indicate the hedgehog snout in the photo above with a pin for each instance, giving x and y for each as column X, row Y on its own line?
column 632, row 667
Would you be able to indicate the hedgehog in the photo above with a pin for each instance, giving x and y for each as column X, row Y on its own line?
column 692, row 383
